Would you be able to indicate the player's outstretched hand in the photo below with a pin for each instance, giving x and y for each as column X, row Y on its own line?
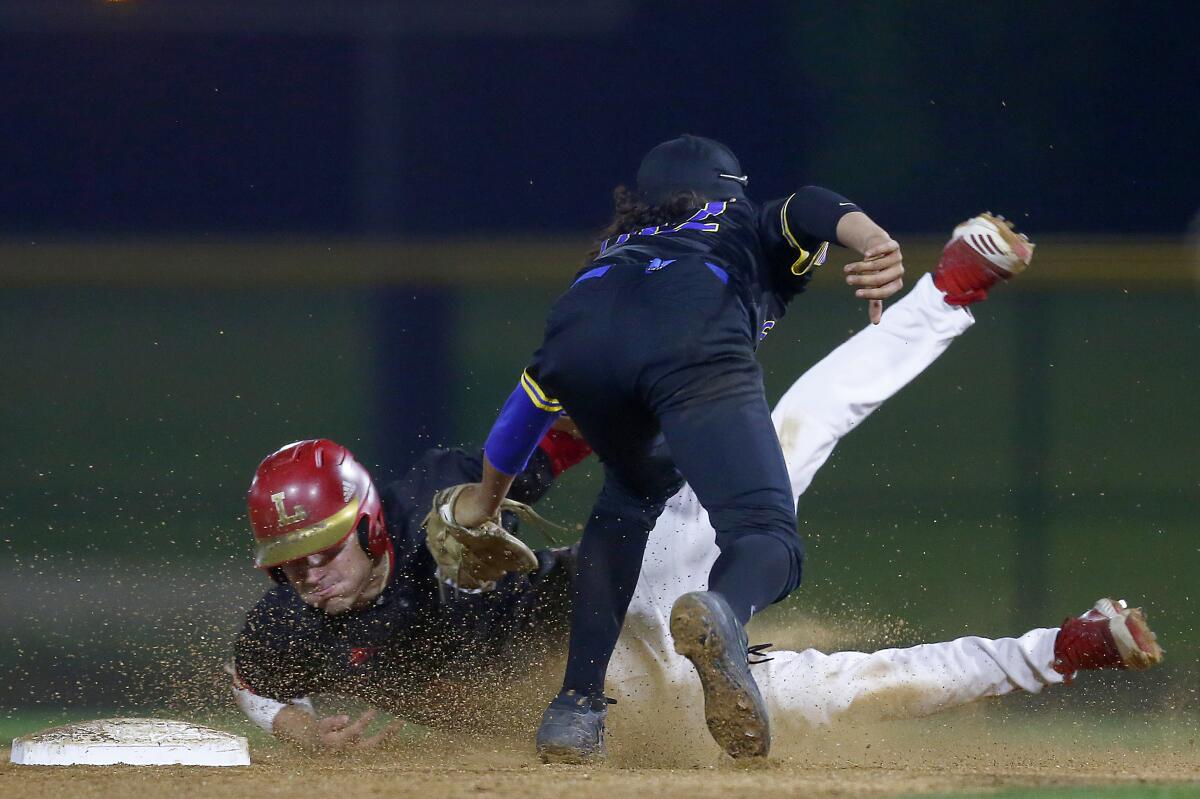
column 877, row 276
column 329, row 734
column 340, row 734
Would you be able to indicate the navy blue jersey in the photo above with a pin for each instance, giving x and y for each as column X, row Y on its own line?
column 418, row 636
column 769, row 252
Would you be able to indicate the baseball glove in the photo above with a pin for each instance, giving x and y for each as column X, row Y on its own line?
column 475, row 558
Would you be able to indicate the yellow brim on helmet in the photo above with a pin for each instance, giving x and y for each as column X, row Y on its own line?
column 307, row 540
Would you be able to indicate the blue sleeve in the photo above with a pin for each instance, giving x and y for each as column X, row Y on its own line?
column 524, row 419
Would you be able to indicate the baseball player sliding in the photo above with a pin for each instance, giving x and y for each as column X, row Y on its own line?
column 368, row 605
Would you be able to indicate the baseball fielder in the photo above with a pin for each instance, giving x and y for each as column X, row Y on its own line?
column 651, row 350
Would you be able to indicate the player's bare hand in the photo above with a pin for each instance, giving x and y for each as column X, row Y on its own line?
column 879, row 275
column 340, row 734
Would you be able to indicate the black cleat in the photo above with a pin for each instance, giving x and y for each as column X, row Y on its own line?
column 572, row 729
column 708, row 634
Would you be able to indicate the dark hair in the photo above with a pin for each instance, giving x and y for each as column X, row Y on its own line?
column 631, row 212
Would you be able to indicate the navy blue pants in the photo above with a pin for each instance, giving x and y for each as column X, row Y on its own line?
column 657, row 367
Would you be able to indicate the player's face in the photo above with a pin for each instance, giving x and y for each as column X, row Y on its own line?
column 334, row 580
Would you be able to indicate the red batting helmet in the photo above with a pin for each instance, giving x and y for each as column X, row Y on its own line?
column 311, row 496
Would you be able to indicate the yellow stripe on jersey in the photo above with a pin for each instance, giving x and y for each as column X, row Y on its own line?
column 805, row 261
column 537, row 396
column 787, row 231
column 818, row 259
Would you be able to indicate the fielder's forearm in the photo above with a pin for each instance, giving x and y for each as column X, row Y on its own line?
column 527, row 415
column 859, row 232
column 493, row 488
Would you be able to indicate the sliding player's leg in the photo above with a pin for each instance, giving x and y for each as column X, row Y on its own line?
column 834, row 396
column 848, row 384
column 810, row 689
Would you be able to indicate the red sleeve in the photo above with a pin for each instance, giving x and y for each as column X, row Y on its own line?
column 564, row 450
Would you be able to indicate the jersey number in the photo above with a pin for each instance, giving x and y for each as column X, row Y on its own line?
column 694, row 222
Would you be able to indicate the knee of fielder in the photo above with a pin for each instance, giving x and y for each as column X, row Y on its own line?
column 764, row 533
column 772, row 513
column 778, row 555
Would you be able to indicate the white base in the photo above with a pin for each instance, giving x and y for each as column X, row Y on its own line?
column 134, row 742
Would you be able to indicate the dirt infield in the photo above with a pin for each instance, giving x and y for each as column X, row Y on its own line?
column 973, row 751
column 1110, row 729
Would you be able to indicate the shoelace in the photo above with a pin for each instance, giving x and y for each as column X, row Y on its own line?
column 589, row 701
column 608, row 700
column 756, row 651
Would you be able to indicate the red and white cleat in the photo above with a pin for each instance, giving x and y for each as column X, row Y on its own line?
column 1109, row 636
column 981, row 252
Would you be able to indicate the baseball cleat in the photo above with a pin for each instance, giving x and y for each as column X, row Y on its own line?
column 1109, row 636
column 708, row 634
column 981, row 252
column 572, row 729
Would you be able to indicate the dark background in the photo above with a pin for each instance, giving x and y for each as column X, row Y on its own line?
column 226, row 226
column 412, row 118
